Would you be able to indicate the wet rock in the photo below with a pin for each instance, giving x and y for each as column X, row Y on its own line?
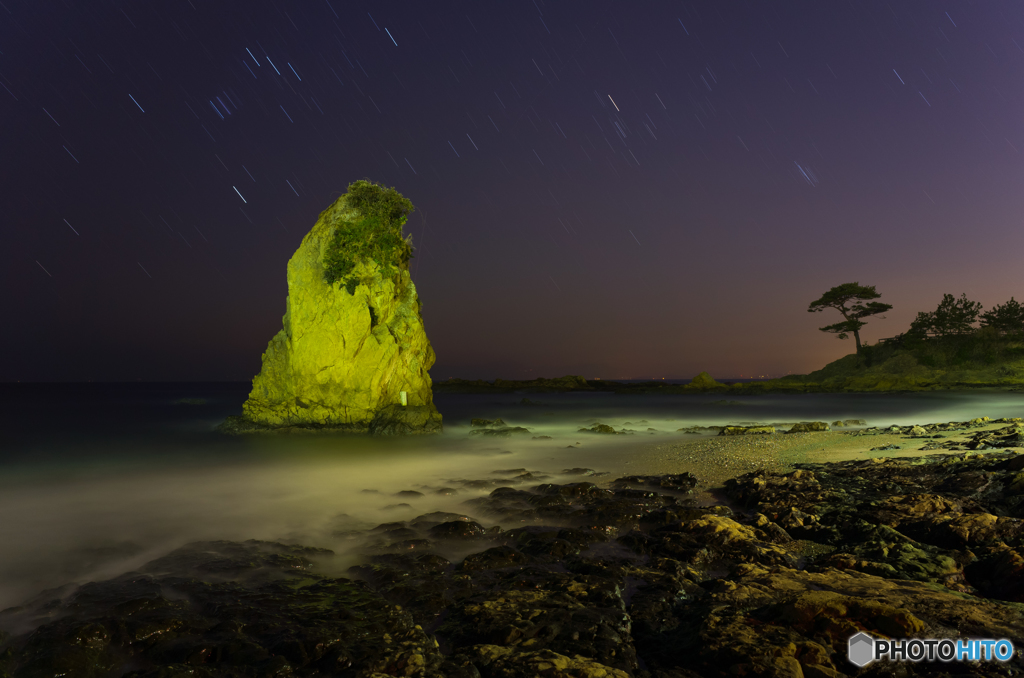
column 220, row 608
column 437, row 517
column 760, row 614
column 700, row 429
column 493, row 558
column 503, row 432
column 628, row 578
column 563, row 619
column 487, row 423
column 600, row 428
column 808, row 426
column 457, row 529
column 746, row 430
column 579, row 472
column 572, row 490
column 999, row 572
column 953, row 531
column 424, row 563
column 773, row 532
column 496, row 660
column 904, row 519
column 682, row 482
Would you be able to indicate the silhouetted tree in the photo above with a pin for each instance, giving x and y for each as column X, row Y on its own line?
column 952, row 317
column 1005, row 318
column 848, row 299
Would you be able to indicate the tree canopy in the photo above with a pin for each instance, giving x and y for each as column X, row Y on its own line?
column 849, row 299
column 1005, row 318
column 952, row 317
column 376, row 236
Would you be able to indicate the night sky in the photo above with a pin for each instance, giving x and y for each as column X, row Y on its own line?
column 611, row 189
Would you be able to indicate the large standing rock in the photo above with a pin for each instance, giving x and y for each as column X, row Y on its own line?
column 345, row 354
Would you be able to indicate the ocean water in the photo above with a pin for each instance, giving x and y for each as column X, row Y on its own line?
column 97, row 479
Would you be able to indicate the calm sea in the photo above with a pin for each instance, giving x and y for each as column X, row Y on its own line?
column 96, row 479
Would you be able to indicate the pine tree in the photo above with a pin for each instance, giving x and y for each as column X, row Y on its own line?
column 847, row 299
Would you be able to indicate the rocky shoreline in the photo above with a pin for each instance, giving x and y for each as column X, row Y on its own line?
column 593, row 577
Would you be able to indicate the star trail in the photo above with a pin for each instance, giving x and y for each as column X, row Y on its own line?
column 618, row 190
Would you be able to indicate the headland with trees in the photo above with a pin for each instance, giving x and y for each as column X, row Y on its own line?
column 959, row 345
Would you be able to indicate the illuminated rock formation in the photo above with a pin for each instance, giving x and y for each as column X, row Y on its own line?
column 353, row 354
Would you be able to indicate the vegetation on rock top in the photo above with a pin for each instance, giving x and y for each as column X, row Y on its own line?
column 376, row 236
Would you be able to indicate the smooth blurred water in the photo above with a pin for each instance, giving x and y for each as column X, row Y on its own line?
column 96, row 479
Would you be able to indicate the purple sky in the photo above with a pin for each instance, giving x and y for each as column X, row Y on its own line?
column 607, row 189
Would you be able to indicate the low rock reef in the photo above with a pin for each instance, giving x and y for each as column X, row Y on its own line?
column 702, row 382
column 574, row 579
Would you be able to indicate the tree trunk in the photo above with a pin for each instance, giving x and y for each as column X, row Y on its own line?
column 856, row 336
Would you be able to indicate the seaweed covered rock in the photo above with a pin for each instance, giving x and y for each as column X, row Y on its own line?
column 353, row 353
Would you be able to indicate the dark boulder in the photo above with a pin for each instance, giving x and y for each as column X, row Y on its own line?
column 493, row 558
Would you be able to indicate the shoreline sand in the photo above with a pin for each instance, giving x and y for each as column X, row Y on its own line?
column 714, row 459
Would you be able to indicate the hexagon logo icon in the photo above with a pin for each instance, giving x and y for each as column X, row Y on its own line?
column 861, row 649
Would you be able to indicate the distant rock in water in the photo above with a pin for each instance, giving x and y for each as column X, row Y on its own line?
column 486, row 423
column 704, row 381
column 849, row 422
column 353, row 354
column 542, row 385
column 600, row 428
